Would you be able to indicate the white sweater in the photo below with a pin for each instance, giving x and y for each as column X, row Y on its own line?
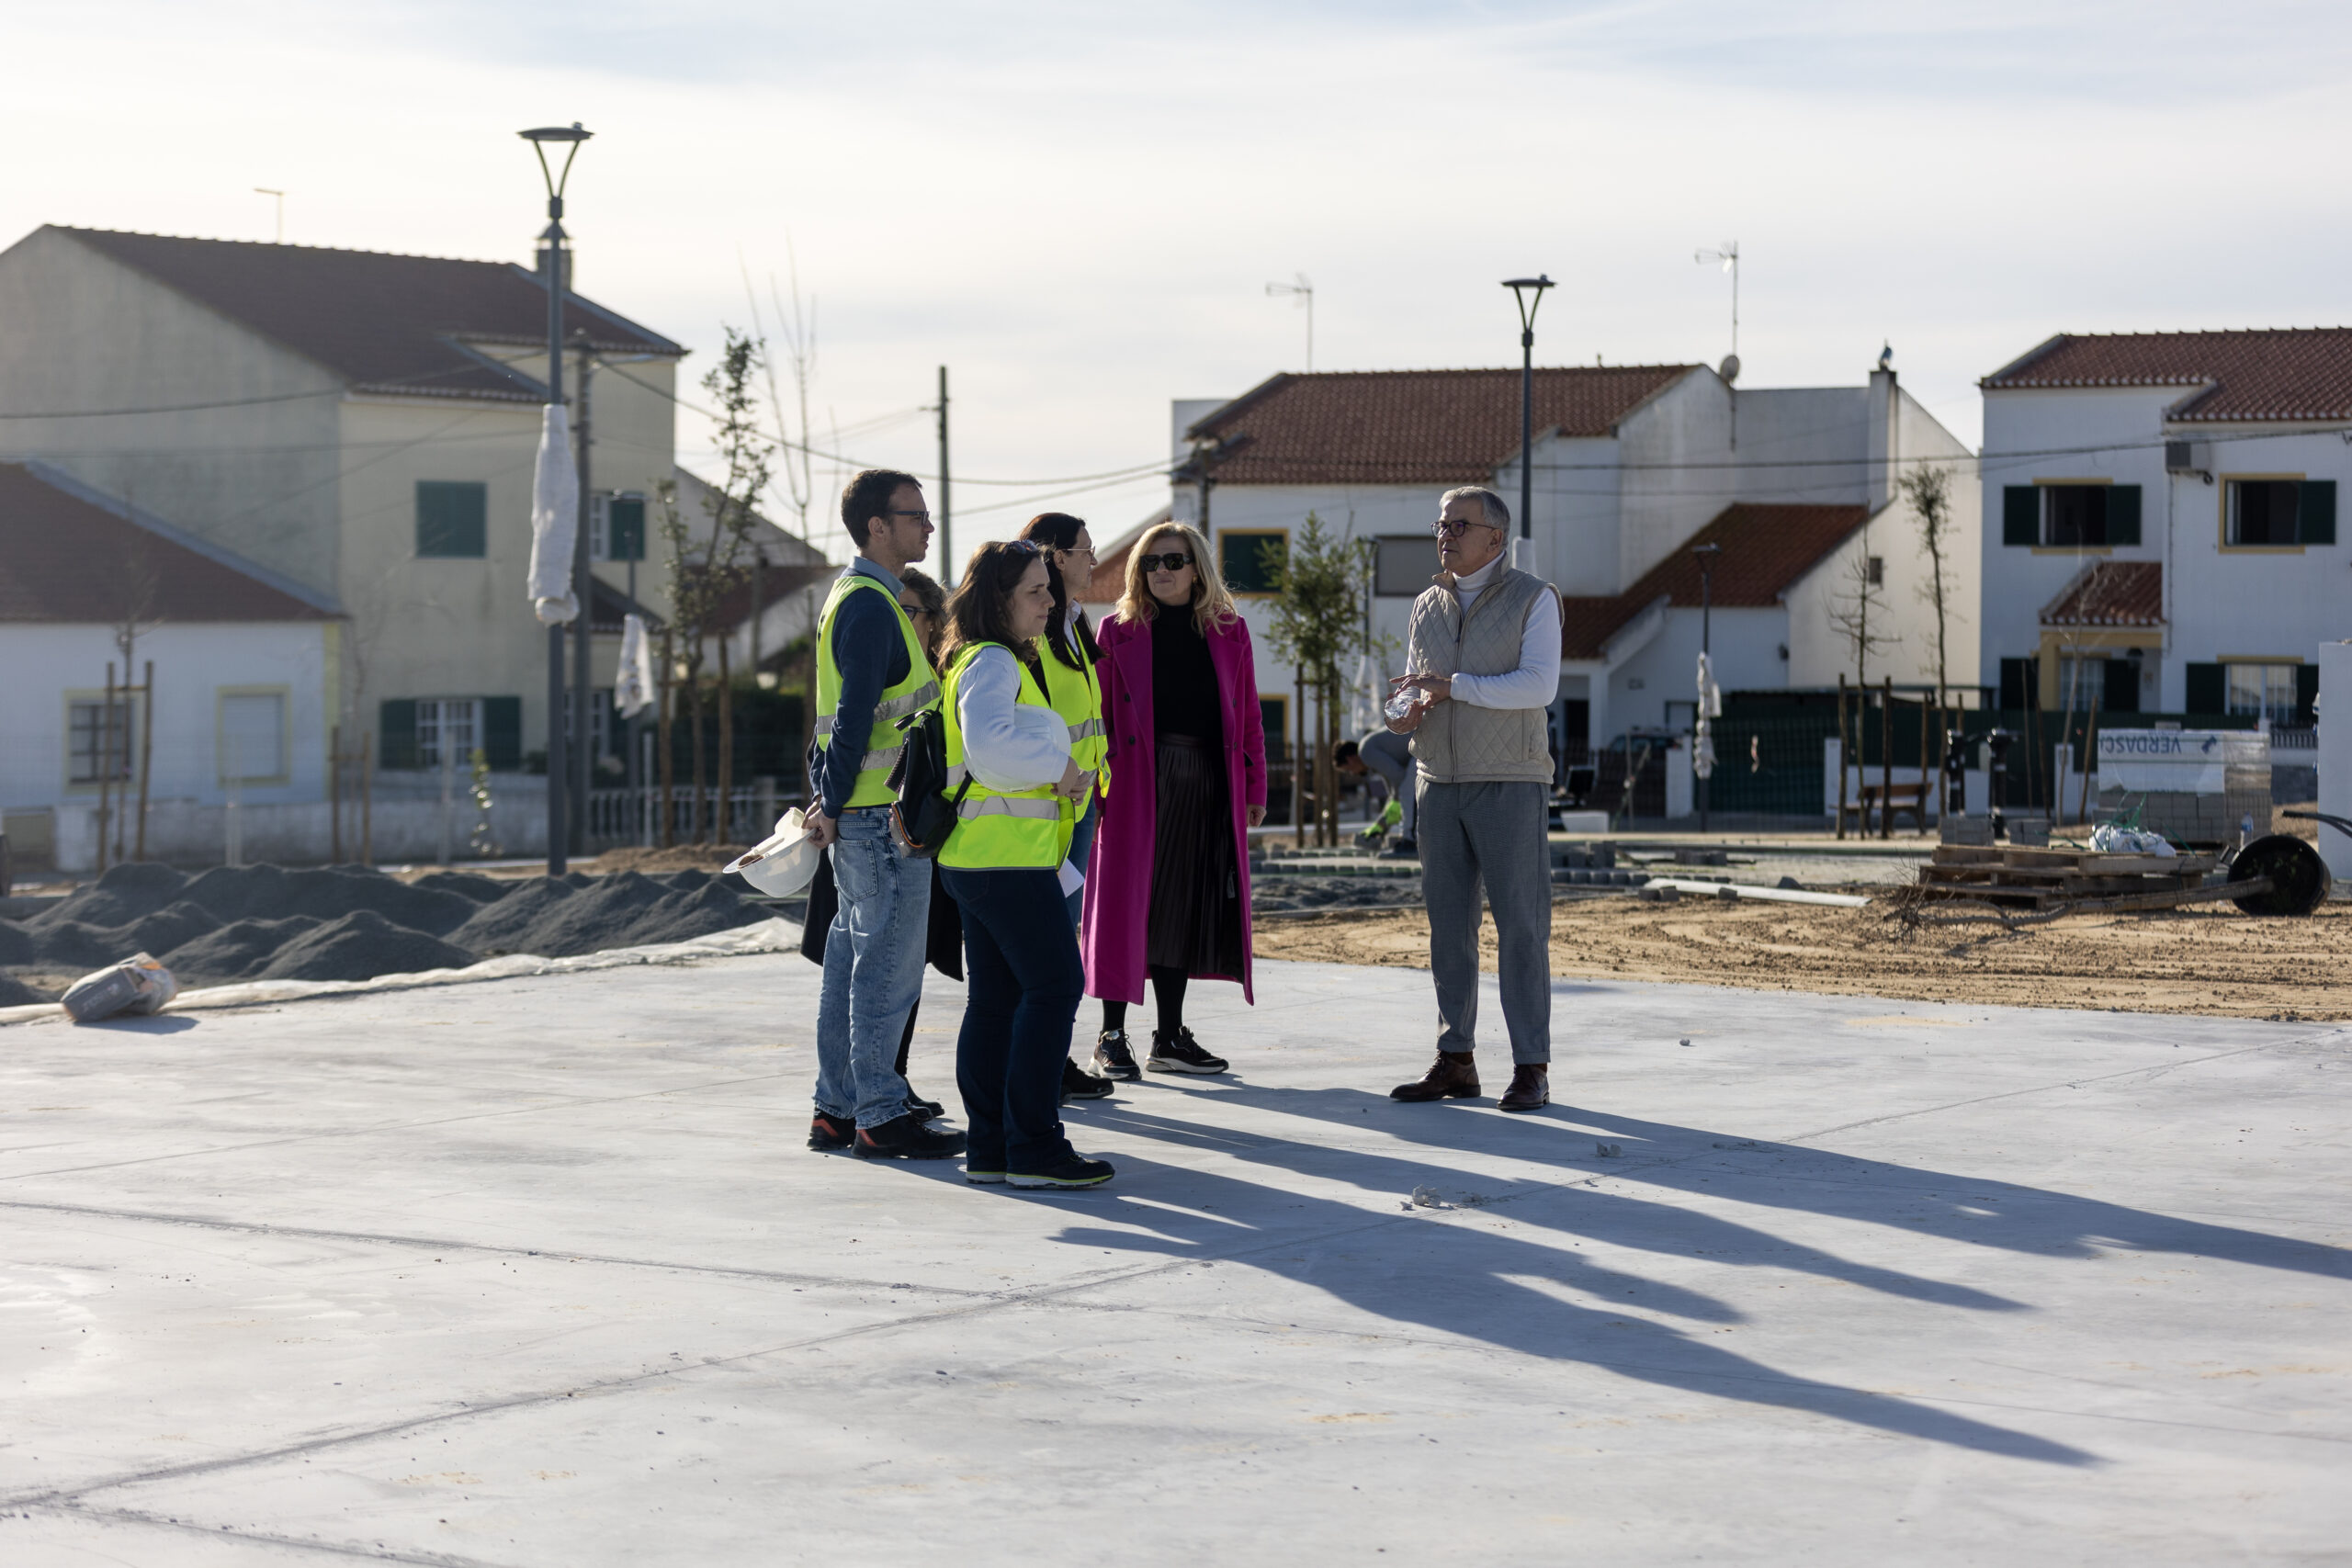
column 1008, row 744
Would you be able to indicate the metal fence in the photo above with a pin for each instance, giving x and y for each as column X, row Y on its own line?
column 620, row 818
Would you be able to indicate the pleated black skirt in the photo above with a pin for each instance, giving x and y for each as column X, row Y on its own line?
column 1195, row 919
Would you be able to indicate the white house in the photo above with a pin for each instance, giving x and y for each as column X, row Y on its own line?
column 1633, row 465
column 2159, row 521
column 244, row 668
column 359, row 424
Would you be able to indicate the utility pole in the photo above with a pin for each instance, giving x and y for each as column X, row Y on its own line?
column 583, row 751
column 947, row 527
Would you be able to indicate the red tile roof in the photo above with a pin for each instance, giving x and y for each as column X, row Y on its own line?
column 1766, row 549
column 1434, row 427
column 382, row 322
column 2111, row 593
column 64, row 558
column 2285, row 374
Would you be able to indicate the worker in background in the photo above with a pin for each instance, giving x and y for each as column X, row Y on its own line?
column 1390, row 755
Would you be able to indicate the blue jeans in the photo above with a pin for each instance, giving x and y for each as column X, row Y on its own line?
column 1023, row 978
column 873, row 955
column 1080, row 842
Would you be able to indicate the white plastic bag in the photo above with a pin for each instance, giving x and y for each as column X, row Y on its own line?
column 138, row 985
column 2110, row 839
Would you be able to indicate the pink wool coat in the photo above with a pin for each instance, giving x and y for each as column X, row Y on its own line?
column 1118, row 873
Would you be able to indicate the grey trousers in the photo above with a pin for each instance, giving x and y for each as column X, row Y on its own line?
column 1494, row 834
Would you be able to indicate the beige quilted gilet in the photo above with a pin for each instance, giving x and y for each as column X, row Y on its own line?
column 1457, row 743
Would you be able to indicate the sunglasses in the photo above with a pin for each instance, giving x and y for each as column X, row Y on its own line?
column 1170, row 563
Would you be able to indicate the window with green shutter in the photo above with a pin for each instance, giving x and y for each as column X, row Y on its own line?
column 625, row 528
column 2315, row 514
column 502, row 732
column 452, row 519
column 1251, row 559
column 396, row 733
column 2020, row 514
column 2122, row 515
column 2208, row 689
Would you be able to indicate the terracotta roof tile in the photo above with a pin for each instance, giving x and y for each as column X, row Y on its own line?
column 1434, row 427
column 383, row 322
column 1766, row 549
column 2111, row 593
column 64, row 560
column 2286, row 374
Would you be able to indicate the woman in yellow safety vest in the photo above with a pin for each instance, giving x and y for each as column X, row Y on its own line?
column 1066, row 665
column 1009, row 756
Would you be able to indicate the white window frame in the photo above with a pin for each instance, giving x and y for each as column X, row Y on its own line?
column 464, row 714
column 281, row 770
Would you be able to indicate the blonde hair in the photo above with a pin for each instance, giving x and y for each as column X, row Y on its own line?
column 1213, row 603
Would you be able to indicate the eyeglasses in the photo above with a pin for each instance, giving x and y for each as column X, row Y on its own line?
column 1170, row 562
column 1019, row 546
column 1453, row 527
column 921, row 517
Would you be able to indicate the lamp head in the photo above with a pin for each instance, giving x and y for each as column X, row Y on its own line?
column 569, row 137
column 1527, row 292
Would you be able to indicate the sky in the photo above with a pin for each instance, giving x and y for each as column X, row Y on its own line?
column 1078, row 207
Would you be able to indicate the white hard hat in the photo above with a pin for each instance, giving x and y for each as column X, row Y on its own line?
column 784, row 862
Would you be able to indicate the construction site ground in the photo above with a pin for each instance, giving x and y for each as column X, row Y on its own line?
column 2212, row 961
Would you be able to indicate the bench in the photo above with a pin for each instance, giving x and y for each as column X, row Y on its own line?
column 1891, row 801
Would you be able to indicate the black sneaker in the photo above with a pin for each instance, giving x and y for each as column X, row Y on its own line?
column 923, row 1110
column 831, row 1134
column 1182, row 1054
column 1114, row 1058
column 1070, row 1170
column 1079, row 1084
column 984, row 1175
column 905, row 1138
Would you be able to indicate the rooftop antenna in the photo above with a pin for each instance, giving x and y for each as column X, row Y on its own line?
column 265, row 190
column 1728, row 255
column 1304, row 292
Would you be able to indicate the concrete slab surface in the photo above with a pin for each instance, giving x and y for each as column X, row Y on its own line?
column 537, row 1272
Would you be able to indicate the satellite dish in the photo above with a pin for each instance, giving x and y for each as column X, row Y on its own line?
column 1729, row 369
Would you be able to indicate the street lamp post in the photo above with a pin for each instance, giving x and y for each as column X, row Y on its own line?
column 1703, row 764
column 569, row 138
column 1528, row 293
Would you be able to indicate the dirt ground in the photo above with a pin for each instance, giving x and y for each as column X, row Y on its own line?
column 2217, row 962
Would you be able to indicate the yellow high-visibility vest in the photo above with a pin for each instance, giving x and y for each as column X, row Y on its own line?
column 997, row 831
column 920, row 690
column 1077, row 695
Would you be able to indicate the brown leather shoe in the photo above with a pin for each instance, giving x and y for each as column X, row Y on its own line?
column 1454, row 1076
column 1531, row 1088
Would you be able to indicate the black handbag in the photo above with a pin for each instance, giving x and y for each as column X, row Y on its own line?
column 925, row 813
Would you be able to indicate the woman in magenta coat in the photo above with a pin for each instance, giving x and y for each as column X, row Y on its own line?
column 1167, row 884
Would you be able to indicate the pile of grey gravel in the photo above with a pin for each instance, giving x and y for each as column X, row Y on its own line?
column 350, row 922
column 1284, row 895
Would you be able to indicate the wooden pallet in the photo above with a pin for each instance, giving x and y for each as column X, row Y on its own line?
column 2040, row 878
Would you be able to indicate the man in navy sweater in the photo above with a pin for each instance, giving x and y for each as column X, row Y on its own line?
column 872, row 672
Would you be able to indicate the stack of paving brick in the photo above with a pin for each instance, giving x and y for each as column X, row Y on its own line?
column 2038, row 878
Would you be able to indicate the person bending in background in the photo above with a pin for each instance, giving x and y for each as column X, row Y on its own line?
column 1008, row 753
column 1169, row 892
column 1390, row 755
column 1067, row 664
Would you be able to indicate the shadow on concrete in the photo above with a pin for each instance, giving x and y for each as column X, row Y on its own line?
column 1471, row 1283
column 168, row 1023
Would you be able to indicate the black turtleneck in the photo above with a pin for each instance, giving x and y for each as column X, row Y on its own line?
column 1183, row 679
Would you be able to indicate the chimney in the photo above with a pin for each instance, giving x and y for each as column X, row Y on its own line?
column 1882, row 471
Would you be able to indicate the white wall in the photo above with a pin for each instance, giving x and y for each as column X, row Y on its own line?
column 46, row 663
column 1746, row 645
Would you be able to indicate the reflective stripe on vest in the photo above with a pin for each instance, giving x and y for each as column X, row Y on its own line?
column 995, row 830
column 1077, row 695
column 918, row 691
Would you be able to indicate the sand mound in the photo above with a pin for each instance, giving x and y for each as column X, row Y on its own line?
column 360, row 946
column 351, row 922
column 681, row 857
column 237, row 951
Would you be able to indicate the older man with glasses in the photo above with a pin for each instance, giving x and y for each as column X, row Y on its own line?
column 1482, row 662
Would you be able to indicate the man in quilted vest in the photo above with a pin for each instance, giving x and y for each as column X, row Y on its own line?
column 1483, row 661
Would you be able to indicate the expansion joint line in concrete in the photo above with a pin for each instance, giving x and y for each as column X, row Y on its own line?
column 575, row 1102
column 376, row 1554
